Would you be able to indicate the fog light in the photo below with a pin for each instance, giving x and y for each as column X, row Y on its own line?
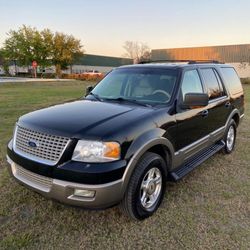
column 84, row 193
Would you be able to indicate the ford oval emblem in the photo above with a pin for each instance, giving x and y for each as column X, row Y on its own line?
column 32, row 144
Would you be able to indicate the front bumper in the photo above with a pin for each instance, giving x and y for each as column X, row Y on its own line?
column 106, row 194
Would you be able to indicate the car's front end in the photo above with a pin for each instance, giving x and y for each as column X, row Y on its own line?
column 52, row 166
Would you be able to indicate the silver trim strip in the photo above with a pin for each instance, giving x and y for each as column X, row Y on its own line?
column 192, row 145
column 219, row 99
column 195, row 147
column 241, row 116
column 195, row 144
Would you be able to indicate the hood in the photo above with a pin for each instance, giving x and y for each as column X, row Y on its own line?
column 77, row 119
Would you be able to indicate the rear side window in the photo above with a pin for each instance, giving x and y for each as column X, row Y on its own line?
column 220, row 83
column 232, row 80
column 191, row 83
column 211, row 81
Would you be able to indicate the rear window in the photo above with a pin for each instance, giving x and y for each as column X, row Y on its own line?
column 232, row 80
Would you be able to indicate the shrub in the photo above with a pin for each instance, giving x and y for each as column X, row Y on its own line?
column 245, row 80
column 83, row 76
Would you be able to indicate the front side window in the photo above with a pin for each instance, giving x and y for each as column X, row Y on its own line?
column 212, row 84
column 145, row 85
column 191, row 83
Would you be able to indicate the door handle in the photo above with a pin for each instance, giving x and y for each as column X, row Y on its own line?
column 204, row 113
column 227, row 104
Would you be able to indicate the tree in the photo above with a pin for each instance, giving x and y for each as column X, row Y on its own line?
column 27, row 44
column 1, row 57
column 138, row 51
column 65, row 49
column 3, row 62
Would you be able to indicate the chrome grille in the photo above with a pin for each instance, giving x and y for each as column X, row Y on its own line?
column 48, row 149
column 32, row 179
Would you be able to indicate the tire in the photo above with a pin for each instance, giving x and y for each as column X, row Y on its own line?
column 147, row 183
column 230, row 138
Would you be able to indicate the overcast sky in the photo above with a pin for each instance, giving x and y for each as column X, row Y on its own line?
column 104, row 25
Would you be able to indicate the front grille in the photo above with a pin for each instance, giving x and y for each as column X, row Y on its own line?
column 39, row 146
column 35, row 180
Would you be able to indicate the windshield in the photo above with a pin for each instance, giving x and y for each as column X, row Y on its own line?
column 149, row 86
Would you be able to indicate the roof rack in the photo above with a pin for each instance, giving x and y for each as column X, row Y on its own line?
column 187, row 61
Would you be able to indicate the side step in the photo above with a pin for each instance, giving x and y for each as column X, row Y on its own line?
column 196, row 161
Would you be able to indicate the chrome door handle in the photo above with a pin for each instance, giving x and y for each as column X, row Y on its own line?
column 204, row 113
column 227, row 104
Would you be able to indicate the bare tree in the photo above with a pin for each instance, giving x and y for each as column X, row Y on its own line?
column 138, row 51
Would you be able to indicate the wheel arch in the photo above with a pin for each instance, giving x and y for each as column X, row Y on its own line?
column 235, row 115
column 236, row 118
column 152, row 141
column 164, row 152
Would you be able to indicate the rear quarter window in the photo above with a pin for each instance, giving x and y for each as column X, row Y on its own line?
column 232, row 80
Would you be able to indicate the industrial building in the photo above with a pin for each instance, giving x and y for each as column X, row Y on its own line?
column 103, row 64
column 85, row 63
column 237, row 55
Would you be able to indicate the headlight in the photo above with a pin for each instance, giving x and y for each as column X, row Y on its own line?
column 96, row 151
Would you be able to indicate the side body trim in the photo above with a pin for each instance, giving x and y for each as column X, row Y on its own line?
column 195, row 147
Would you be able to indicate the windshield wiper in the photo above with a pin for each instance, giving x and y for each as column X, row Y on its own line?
column 128, row 100
column 97, row 97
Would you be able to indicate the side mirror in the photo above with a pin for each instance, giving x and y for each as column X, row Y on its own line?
column 89, row 89
column 194, row 100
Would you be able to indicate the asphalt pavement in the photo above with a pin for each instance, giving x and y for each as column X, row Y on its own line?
column 23, row 79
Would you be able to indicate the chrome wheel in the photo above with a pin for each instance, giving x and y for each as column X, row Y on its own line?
column 230, row 138
column 151, row 188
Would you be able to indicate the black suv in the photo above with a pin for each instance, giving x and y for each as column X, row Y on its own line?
column 139, row 126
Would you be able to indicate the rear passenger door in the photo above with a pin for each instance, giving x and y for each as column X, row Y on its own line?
column 219, row 105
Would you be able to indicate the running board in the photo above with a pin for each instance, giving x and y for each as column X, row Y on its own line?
column 196, row 160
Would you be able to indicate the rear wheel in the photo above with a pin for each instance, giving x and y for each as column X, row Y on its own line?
column 230, row 138
column 146, row 187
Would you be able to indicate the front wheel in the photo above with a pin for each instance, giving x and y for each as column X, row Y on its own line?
column 230, row 138
column 146, row 187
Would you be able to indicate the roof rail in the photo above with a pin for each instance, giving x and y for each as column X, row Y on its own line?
column 204, row 61
column 187, row 61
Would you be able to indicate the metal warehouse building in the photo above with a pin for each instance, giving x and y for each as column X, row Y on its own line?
column 237, row 55
column 90, row 62
column 87, row 62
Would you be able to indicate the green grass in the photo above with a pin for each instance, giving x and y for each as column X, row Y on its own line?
column 209, row 209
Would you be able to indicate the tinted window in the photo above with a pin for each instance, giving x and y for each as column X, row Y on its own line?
column 214, row 90
column 232, row 80
column 220, row 83
column 191, row 83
